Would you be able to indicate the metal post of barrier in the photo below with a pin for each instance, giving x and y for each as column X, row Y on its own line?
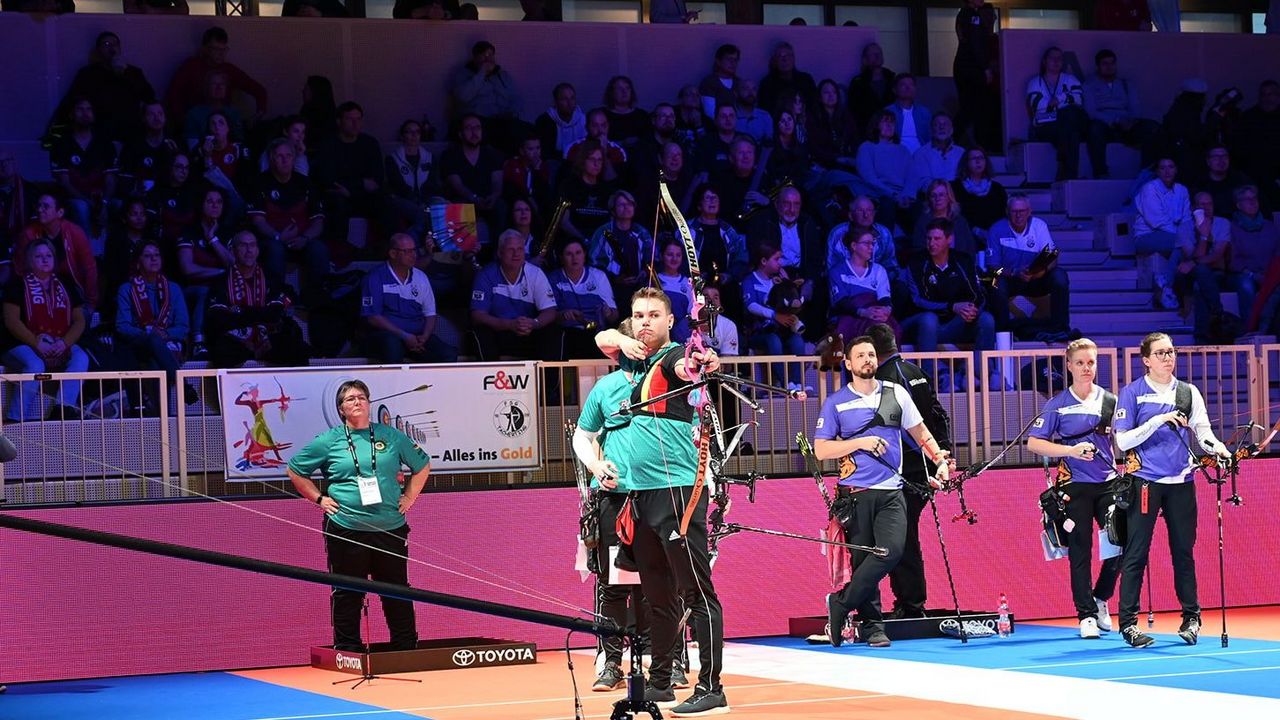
column 1268, row 358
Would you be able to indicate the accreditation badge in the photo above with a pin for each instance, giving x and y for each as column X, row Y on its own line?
column 369, row 492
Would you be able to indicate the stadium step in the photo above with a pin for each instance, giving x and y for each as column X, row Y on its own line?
column 1089, row 198
column 1086, row 259
column 1072, row 238
column 1126, row 300
column 1104, row 279
column 1127, row 321
column 1011, row 181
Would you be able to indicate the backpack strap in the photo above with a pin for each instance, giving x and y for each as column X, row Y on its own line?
column 1103, row 427
column 1182, row 398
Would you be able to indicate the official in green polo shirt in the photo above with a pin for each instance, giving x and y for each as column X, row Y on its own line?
column 366, row 535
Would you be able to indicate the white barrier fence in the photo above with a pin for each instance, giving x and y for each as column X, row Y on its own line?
column 130, row 436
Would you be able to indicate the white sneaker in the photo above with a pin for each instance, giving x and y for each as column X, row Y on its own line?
column 1104, row 615
column 1089, row 629
column 1168, row 299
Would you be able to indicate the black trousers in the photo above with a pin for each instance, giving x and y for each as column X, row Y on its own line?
column 881, row 519
column 541, row 344
column 1178, row 505
column 979, row 107
column 907, row 579
column 1088, row 505
column 623, row 604
column 1055, row 284
column 676, row 575
column 386, row 563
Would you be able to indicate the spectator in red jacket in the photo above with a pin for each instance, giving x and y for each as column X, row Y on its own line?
column 74, row 256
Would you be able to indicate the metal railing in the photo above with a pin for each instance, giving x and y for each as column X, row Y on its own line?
column 1029, row 379
column 103, row 444
column 125, row 446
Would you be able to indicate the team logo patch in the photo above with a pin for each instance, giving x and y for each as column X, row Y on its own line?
column 366, row 301
column 1121, row 413
column 380, row 446
column 275, row 194
column 819, row 423
column 1039, row 422
column 511, row 418
column 477, row 295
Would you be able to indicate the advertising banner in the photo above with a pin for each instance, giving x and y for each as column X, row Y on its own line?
column 472, row 417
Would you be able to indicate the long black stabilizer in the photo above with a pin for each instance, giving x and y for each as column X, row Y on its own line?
column 293, row 572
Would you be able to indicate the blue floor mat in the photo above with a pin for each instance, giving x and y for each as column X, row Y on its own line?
column 195, row 696
column 1247, row 667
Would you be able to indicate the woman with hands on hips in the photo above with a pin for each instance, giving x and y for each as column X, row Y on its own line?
column 366, row 532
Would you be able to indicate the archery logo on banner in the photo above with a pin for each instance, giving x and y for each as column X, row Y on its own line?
column 476, row 417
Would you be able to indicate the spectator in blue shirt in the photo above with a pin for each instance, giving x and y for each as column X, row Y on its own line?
column 400, row 309
column 584, row 302
column 513, row 307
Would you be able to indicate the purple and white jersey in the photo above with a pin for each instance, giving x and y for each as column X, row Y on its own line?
column 1162, row 457
column 1067, row 415
column 845, row 412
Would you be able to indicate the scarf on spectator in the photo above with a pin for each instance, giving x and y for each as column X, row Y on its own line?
column 1250, row 224
column 47, row 314
column 248, row 292
column 146, row 316
column 979, row 188
column 568, row 132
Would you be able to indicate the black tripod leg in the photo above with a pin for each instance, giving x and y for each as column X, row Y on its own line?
column 946, row 562
column 634, row 702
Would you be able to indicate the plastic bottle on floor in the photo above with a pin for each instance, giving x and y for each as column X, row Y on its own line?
column 1003, row 626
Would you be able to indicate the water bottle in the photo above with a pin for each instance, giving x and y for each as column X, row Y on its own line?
column 1003, row 626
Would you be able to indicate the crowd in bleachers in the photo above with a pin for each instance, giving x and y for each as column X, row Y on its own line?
column 178, row 228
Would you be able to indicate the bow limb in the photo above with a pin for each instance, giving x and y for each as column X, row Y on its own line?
column 701, row 399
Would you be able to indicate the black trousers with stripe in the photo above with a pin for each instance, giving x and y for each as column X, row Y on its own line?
column 383, row 559
column 1178, row 505
column 676, row 575
column 623, row 604
column 1088, row 505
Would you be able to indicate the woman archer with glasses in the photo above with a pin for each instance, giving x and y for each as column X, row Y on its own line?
column 1156, row 418
column 364, row 504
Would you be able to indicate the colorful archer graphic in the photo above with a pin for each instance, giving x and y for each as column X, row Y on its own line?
column 258, row 441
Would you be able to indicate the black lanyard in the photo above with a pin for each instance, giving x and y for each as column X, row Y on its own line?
column 373, row 450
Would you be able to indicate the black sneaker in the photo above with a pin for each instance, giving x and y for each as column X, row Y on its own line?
column 663, row 697
column 905, row 613
column 1135, row 637
column 836, row 615
column 877, row 639
column 679, row 680
column 1189, row 631
column 701, row 703
column 609, row 679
